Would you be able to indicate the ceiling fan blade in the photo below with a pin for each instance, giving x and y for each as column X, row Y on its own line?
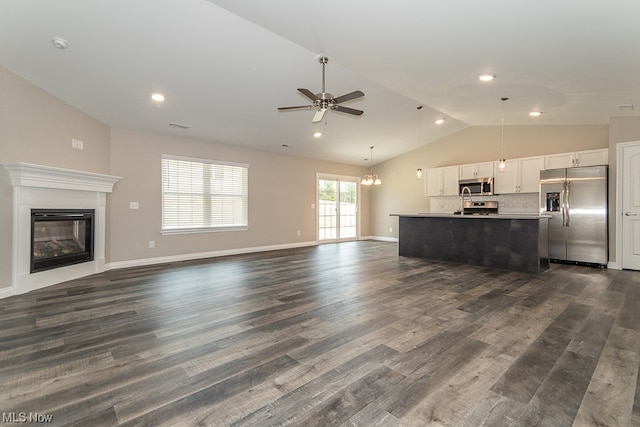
column 306, row 92
column 347, row 110
column 349, row 96
column 297, row 107
column 319, row 115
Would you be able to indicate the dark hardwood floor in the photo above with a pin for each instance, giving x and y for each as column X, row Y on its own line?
column 341, row 334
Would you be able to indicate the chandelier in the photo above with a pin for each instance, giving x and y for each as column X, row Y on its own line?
column 371, row 178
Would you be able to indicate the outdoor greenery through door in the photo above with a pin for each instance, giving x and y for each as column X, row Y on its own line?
column 337, row 208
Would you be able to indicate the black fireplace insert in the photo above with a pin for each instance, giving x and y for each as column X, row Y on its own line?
column 61, row 237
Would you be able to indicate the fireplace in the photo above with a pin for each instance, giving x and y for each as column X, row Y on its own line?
column 75, row 203
column 61, row 237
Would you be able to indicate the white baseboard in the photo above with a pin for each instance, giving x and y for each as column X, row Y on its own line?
column 382, row 239
column 613, row 265
column 200, row 255
column 6, row 292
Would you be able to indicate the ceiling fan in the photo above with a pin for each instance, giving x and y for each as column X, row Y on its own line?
column 324, row 101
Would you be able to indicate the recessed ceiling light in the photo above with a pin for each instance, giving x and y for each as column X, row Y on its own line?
column 317, row 134
column 535, row 113
column 440, row 121
column 60, row 43
column 158, row 97
column 486, row 77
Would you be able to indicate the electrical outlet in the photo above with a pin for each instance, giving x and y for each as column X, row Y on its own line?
column 134, row 205
column 152, row 244
column 77, row 144
column 298, row 232
column 390, row 229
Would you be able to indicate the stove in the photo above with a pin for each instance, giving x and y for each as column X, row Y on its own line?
column 480, row 208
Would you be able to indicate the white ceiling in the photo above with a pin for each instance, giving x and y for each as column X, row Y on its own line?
column 226, row 65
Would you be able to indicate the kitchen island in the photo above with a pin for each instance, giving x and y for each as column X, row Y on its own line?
column 508, row 242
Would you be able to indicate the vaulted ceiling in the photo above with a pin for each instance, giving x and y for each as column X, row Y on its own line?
column 225, row 66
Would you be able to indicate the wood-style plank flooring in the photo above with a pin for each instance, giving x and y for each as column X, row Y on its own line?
column 341, row 334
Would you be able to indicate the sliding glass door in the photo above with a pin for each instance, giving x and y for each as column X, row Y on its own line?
column 337, row 208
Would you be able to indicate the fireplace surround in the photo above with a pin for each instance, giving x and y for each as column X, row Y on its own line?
column 45, row 189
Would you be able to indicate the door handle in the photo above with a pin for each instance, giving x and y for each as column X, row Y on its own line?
column 630, row 214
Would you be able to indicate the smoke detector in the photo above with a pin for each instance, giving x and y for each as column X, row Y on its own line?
column 60, row 43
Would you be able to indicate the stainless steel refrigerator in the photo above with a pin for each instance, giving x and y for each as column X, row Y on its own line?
column 576, row 201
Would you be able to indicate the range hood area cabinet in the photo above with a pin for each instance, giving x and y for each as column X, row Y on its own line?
column 519, row 176
column 442, row 181
column 578, row 158
column 476, row 170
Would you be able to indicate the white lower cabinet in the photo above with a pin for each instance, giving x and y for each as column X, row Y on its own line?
column 519, row 176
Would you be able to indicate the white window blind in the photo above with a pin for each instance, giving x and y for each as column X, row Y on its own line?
column 203, row 194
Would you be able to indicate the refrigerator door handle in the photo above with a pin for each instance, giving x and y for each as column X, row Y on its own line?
column 562, row 204
column 566, row 204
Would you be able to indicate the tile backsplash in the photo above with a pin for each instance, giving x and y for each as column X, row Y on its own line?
column 522, row 203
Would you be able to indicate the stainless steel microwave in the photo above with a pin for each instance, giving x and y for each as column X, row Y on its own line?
column 479, row 186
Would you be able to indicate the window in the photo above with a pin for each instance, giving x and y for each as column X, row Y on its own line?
column 203, row 195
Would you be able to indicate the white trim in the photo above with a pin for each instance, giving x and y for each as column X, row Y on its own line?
column 614, row 265
column 6, row 292
column 345, row 178
column 171, row 231
column 36, row 186
column 30, row 175
column 382, row 239
column 619, row 166
column 200, row 255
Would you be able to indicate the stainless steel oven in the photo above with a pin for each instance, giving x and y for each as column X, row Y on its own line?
column 478, row 187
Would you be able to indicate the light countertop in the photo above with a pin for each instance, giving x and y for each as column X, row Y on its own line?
column 467, row 216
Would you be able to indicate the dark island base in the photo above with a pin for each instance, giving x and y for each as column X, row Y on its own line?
column 507, row 244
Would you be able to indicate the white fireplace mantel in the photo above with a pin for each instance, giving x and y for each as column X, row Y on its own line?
column 37, row 186
column 30, row 175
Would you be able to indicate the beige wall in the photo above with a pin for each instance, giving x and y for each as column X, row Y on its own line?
column 36, row 127
column 403, row 192
column 281, row 191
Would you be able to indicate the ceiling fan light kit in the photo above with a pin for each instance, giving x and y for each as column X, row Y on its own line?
column 324, row 101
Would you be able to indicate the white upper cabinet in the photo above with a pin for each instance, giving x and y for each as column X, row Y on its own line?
column 519, row 176
column 476, row 170
column 592, row 157
column 577, row 158
column 506, row 181
column 530, row 168
column 442, row 181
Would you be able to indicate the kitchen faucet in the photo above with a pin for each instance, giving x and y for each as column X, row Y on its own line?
column 468, row 190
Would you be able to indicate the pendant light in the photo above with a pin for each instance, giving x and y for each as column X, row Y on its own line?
column 502, row 164
column 419, row 108
column 371, row 178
